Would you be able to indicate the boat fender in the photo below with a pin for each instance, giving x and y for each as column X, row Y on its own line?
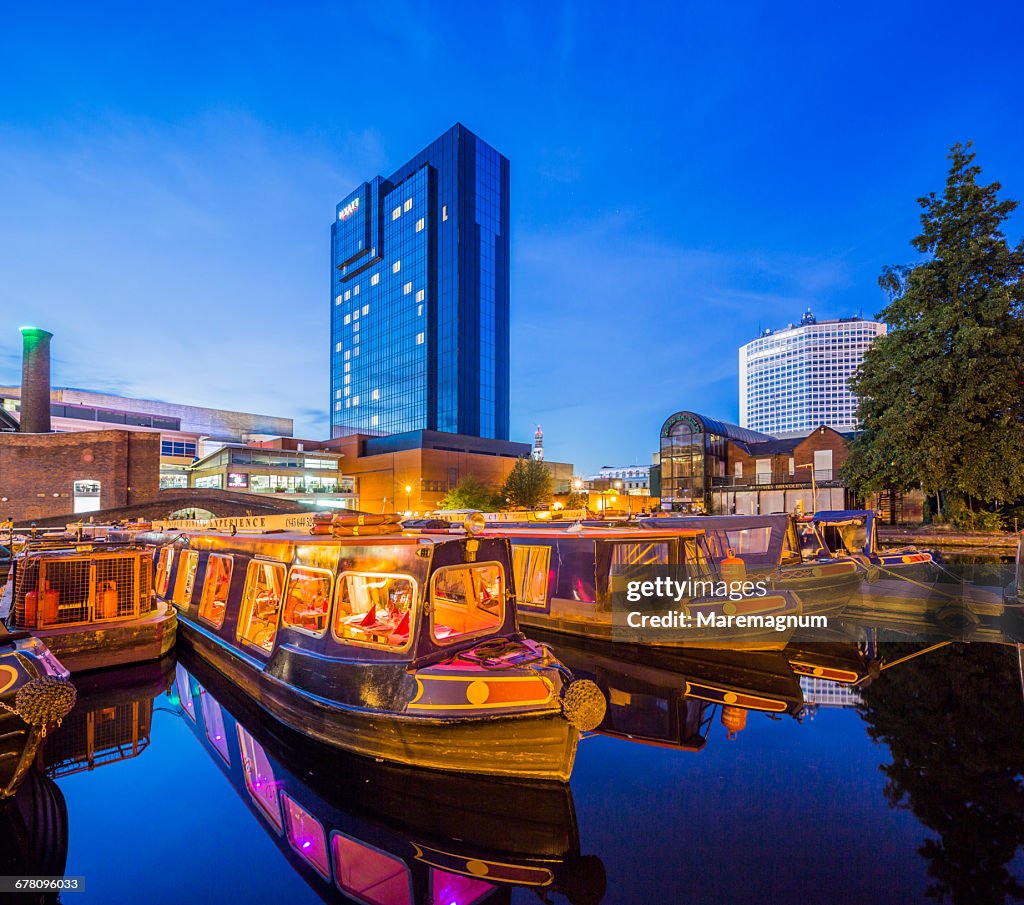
column 43, row 702
column 583, row 705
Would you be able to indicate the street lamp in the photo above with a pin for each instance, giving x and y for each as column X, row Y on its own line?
column 408, row 495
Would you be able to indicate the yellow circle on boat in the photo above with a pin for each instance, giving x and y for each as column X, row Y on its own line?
column 8, row 676
column 477, row 868
column 478, row 692
column 729, row 698
column 818, row 671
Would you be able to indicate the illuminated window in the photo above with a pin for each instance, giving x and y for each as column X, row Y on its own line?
column 347, row 320
column 185, row 580
column 306, row 835
column 355, row 351
column 163, row 570
column 408, row 204
column 307, row 600
column 337, row 347
column 355, row 289
column 396, row 213
column 215, row 589
column 348, row 379
column 420, row 295
column 397, row 266
column 337, row 406
column 407, row 288
column 419, row 224
column 444, row 212
column 348, row 355
column 375, row 420
column 213, row 720
column 261, row 602
column 355, row 400
column 348, row 294
column 259, row 777
column 466, row 600
column 184, row 682
column 366, row 309
column 337, row 301
column 348, row 366
column 355, row 315
column 419, row 310
column 369, row 875
column 530, row 567
column 337, row 393
column 375, row 395
column 374, row 608
column 419, row 338
column 375, row 279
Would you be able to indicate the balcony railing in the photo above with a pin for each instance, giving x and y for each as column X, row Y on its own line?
column 800, row 476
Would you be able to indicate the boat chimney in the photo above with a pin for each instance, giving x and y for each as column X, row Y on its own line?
column 35, row 381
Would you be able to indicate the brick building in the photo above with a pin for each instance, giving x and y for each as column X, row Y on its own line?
column 43, row 475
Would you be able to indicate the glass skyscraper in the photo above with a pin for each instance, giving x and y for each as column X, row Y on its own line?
column 420, row 296
column 794, row 380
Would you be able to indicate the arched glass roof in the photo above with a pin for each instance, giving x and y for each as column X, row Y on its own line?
column 711, row 426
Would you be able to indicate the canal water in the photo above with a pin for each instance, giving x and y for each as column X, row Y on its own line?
column 908, row 790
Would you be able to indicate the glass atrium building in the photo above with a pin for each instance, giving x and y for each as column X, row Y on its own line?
column 420, row 296
column 794, row 380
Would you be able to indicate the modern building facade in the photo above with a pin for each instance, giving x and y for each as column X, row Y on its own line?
column 793, row 380
column 420, row 296
column 713, row 466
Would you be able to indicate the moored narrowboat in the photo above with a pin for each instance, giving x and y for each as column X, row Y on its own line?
column 34, row 694
column 789, row 554
column 403, row 648
column 92, row 603
column 854, row 532
column 565, row 579
column 359, row 830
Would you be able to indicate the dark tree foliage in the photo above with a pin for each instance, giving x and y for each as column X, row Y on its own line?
column 528, row 484
column 954, row 724
column 469, row 493
column 942, row 394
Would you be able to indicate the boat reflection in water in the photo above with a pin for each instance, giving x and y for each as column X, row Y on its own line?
column 672, row 697
column 111, row 720
column 34, row 833
column 380, row 833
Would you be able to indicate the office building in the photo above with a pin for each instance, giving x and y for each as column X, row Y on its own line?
column 420, row 296
column 796, row 379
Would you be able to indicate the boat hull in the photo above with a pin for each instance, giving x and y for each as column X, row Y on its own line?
column 105, row 644
column 539, row 746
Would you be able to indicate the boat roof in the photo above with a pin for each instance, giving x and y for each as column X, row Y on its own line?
column 843, row 515
column 305, row 538
column 596, row 533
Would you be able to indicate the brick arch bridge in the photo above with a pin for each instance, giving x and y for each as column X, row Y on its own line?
column 222, row 503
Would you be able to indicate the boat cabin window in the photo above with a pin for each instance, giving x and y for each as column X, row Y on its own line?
column 810, row 543
column 697, row 558
column 530, row 567
column 648, row 553
column 374, row 608
column 259, row 777
column 850, row 537
column 749, row 540
column 370, row 875
column 261, row 603
column 215, row 589
column 163, row 570
column 184, row 682
column 466, row 600
column 306, row 835
column 184, row 581
column 307, row 600
column 449, row 887
column 213, row 721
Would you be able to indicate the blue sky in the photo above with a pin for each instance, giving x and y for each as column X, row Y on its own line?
column 681, row 173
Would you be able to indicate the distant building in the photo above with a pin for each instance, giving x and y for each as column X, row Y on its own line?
column 538, row 445
column 820, row 692
column 420, row 296
column 793, row 380
column 187, row 432
column 630, row 479
column 709, row 465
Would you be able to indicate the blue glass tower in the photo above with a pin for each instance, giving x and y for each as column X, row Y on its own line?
column 420, row 296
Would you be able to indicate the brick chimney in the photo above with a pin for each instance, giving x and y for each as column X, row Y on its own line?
column 35, row 381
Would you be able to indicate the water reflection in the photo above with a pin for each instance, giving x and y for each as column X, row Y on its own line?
column 34, row 834
column 384, row 834
column 954, row 725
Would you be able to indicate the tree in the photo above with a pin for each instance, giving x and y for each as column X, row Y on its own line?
column 469, row 493
column 528, row 484
column 941, row 401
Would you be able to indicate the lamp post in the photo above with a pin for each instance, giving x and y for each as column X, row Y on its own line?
column 408, row 496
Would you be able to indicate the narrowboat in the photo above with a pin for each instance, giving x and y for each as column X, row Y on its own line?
column 92, row 604
column 671, row 698
column 790, row 555
column 564, row 583
column 34, row 694
column 359, row 830
column 398, row 647
column 846, row 663
column 854, row 532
